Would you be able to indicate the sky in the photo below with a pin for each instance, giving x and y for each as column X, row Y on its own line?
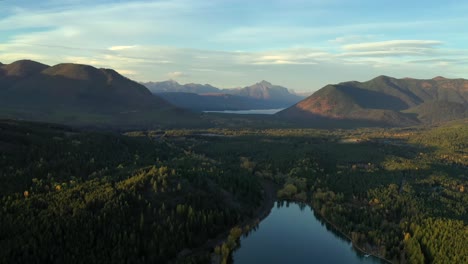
column 299, row 44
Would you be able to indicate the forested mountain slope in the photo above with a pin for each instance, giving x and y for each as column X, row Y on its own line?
column 81, row 95
column 386, row 100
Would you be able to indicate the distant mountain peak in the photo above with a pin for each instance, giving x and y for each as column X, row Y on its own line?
column 383, row 77
column 265, row 83
column 439, row 78
column 172, row 86
column 261, row 93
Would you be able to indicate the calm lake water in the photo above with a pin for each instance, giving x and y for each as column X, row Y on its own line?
column 249, row 112
column 292, row 234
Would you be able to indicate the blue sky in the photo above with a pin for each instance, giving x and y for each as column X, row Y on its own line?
column 299, row 44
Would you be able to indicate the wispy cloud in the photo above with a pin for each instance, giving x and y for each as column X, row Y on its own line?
column 128, row 73
column 300, row 45
column 117, row 48
column 176, row 75
column 442, row 60
column 384, row 53
column 393, row 45
column 353, row 39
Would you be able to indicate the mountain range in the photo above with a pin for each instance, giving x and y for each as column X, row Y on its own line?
column 78, row 94
column 385, row 100
column 203, row 97
column 87, row 96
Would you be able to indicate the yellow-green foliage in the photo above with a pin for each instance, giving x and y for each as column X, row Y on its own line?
column 231, row 243
column 288, row 191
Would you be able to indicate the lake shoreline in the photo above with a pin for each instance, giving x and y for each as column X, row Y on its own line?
column 269, row 190
column 353, row 254
column 270, row 197
column 335, row 227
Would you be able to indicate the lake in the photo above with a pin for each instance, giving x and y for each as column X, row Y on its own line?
column 249, row 112
column 292, row 234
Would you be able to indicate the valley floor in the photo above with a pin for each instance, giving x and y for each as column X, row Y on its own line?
column 172, row 195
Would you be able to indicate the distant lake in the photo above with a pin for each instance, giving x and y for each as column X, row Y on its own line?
column 292, row 234
column 249, row 112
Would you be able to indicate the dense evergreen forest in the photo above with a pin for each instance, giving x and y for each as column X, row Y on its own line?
column 76, row 197
column 70, row 196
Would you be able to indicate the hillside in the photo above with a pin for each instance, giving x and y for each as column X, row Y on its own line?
column 80, row 94
column 10, row 73
column 387, row 101
column 262, row 95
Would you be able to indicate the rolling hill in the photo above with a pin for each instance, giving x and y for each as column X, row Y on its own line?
column 385, row 101
column 80, row 94
column 262, row 95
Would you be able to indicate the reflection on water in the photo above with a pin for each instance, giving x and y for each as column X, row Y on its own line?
column 249, row 112
column 292, row 233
